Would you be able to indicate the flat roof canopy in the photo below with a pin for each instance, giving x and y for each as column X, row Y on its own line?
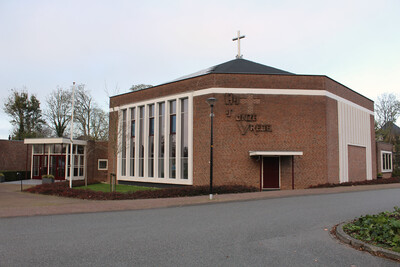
column 60, row 140
column 275, row 153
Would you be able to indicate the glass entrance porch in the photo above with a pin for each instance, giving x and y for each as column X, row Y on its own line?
column 53, row 156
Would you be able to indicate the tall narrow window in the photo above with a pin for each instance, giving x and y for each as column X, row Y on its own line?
column 386, row 161
column 141, row 139
column 132, row 149
column 123, row 145
column 172, row 139
column 161, row 141
column 150, row 171
column 184, row 139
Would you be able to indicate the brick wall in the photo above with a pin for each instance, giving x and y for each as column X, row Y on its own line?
column 13, row 155
column 298, row 124
column 332, row 140
column 309, row 82
column 385, row 147
column 96, row 150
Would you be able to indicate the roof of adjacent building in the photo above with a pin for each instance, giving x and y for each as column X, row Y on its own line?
column 237, row 66
column 394, row 129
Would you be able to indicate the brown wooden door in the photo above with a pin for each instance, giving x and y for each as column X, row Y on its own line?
column 271, row 172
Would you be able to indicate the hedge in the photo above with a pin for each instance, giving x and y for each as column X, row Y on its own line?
column 62, row 189
column 366, row 182
column 12, row 175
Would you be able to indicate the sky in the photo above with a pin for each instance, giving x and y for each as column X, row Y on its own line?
column 111, row 45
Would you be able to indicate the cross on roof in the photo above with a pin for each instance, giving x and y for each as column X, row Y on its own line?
column 238, row 39
column 250, row 100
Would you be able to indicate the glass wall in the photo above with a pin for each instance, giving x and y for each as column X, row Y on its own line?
column 184, row 139
column 159, row 143
column 150, row 142
column 161, row 139
column 141, row 144
column 172, row 139
column 123, row 148
column 132, row 144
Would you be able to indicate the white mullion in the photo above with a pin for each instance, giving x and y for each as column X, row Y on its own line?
column 48, row 161
column 136, row 159
column 166, row 143
column 146, row 140
column 84, row 163
column 156, row 137
column 66, row 162
column 190, row 138
column 178, row 139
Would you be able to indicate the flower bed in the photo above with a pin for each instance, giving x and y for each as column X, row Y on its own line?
column 381, row 230
column 366, row 182
column 62, row 189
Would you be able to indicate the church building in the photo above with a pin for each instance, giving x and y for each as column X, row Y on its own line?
column 272, row 129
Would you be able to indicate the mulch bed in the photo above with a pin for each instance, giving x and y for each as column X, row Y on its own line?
column 62, row 189
column 392, row 180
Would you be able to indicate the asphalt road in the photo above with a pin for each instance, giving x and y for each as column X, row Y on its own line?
column 273, row 232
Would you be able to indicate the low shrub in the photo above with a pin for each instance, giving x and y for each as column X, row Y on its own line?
column 382, row 229
column 10, row 176
column 62, row 189
column 366, row 182
column 49, row 176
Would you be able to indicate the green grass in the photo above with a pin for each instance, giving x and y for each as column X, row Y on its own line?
column 119, row 188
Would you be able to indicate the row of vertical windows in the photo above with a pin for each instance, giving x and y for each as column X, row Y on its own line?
column 147, row 135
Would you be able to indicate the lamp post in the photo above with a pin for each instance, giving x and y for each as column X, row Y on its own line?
column 211, row 101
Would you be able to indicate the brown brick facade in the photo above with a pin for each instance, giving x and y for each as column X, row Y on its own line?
column 96, row 150
column 13, row 156
column 306, row 123
column 309, row 82
column 381, row 146
column 298, row 124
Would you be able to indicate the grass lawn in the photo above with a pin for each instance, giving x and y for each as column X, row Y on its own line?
column 119, row 188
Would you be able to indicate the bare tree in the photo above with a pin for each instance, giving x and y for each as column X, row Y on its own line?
column 91, row 120
column 58, row 113
column 387, row 111
column 99, row 125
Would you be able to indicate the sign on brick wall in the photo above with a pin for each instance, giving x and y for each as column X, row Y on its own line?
column 246, row 122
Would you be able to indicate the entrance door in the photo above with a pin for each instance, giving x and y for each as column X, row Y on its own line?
column 39, row 166
column 271, row 172
column 57, row 166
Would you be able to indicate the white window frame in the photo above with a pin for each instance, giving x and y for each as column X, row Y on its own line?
column 166, row 180
column 388, row 153
column 98, row 165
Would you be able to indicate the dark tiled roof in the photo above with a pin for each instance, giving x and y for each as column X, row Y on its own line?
column 395, row 130
column 237, row 66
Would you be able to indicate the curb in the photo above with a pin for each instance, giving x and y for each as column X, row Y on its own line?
column 358, row 244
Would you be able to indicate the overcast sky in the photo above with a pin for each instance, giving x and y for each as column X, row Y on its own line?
column 110, row 45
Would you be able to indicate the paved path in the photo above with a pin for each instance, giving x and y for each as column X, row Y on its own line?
column 284, row 231
column 16, row 203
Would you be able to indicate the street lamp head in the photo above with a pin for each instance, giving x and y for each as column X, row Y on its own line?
column 211, row 101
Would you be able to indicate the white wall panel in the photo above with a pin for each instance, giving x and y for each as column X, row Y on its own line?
column 354, row 129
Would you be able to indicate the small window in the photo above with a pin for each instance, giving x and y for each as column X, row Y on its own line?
column 386, row 161
column 103, row 164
